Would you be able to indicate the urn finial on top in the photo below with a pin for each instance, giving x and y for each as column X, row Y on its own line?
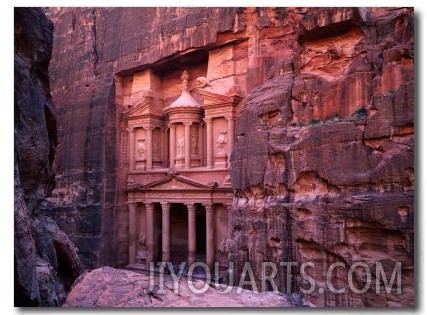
column 185, row 77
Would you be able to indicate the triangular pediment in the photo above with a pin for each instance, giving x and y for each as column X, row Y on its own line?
column 146, row 108
column 176, row 182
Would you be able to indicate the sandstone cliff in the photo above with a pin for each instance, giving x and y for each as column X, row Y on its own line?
column 46, row 262
column 323, row 165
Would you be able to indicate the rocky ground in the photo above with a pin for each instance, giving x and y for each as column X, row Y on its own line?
column 108, row 287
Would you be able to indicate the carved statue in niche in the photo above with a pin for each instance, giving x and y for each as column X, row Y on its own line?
column 180, row 146
column 142, row 249
column 223, row 247
column 221, row 141
column 194, row 146
column 142, row 238
column 141, row 148
column 202, row 82
column 156, row 152
column 146, row 94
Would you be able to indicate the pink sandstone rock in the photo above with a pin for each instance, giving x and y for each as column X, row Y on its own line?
column 108, row 287
column 322, row 168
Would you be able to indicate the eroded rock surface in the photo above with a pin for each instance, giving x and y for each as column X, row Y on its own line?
column 46, row 262
column 108, row 287
column 323, row 163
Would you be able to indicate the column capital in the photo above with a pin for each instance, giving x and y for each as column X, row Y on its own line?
column 230, row 117
column 131, row 128
column 209, row 207
column 207, row 120
column 171, row 125
column 165, row 204
column 191, row 206
column 130, row 204
column 149, row 206
column 187, row 123
column 149, row 127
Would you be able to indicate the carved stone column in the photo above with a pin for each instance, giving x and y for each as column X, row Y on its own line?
column 201, row 145
column 150, row 232
column 132, row 232
column 210, row 241
column 230, row 131
column 165, row 231
column 187, row 144
column 191, row 233
column 149, row 148
column 172, row 147
column 228, row 207
column 164, row 150
column 209, row 143
column 131, row 148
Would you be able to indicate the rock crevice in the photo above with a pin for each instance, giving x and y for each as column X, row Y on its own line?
column 46, row 262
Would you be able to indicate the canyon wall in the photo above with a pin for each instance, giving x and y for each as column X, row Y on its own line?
column 323, row 164
column 46, row 262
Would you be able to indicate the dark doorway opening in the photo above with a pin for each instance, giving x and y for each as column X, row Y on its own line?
column 200, row 234
column 157, row 230
column 178, row 233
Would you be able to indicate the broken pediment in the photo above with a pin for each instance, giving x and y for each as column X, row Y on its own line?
column 146, row 108
column 176, row 182
column 211, row 98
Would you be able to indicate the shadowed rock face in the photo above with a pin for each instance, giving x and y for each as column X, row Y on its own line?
column 323, row 163
column 46, row 262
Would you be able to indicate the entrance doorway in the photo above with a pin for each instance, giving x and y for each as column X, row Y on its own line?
column 178, row 233
column 200, row 234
